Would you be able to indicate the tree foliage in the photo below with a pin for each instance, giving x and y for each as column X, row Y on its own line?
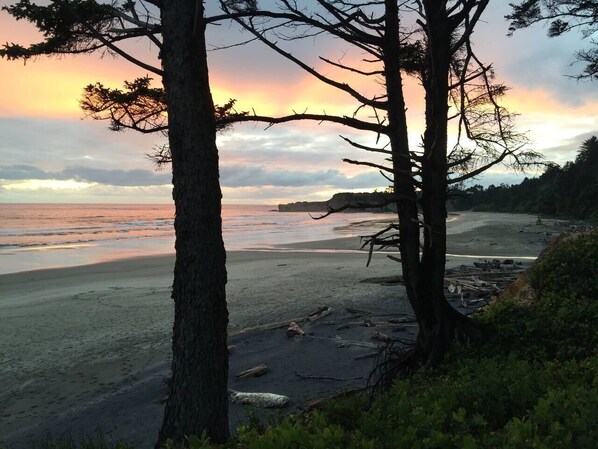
column 562, row 16
column 568, row 191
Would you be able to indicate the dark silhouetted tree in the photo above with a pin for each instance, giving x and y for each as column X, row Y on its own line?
column 184, row 110
column 430, row 41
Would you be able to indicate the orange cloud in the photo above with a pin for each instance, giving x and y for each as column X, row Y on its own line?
column 539, row 101
column 53, row 87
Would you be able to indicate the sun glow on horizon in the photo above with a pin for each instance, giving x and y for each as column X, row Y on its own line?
column 48, row 184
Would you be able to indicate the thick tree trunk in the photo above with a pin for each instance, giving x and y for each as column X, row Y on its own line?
column 439, row 323
column 198, row 399
column 404, row 189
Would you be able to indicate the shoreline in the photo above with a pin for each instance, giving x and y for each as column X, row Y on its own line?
column 462, row 222
column 89, row 346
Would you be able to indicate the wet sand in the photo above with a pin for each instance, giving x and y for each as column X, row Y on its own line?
column 89, row 347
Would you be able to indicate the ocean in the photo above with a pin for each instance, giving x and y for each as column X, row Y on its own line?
column 40, row 236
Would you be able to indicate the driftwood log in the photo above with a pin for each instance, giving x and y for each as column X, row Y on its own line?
column 256, row 371
column 380, row 337
column 265, row 400
column 320, row 312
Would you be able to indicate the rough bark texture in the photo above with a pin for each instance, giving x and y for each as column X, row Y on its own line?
column 404, row 189
column 198, row 399
column 439, row 323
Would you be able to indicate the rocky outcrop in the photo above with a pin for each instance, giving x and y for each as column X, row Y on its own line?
column 352, row 202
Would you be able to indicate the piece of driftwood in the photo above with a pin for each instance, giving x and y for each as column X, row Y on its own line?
column 264, row 400
column 256, row 371
column 361, row 344
column 368, row 355
column 477, row 285
column 389, row 323
column 294, row 329
column 380, row 337
column 319, row 313
column 343, row 326
column 357, row 311
column 312, row 377
column 267, row 327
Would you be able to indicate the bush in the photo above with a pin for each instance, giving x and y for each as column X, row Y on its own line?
column 569, row 267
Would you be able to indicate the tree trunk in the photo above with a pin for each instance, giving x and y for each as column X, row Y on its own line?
column 198, row 398
column 439, row 323
column 404, row 189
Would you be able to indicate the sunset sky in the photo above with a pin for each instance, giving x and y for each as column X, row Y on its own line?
column 50, row 153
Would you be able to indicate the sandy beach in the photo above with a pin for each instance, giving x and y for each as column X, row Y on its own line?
column 88, row 347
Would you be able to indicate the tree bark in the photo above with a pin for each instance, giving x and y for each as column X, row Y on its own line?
column 439, row 323
column 405, row 195
column 198, row 399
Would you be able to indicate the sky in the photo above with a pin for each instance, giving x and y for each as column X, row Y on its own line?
column 49, row 151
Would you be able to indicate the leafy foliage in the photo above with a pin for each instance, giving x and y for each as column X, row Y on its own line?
column 570, row 191
column 569, row 269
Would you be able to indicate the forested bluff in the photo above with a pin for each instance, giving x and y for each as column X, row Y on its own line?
column 570, row 191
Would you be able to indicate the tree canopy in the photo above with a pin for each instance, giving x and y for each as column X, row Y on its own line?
column 568, row 191
column 563, row 16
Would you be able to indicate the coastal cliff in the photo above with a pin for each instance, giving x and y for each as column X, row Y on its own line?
column 353, row 202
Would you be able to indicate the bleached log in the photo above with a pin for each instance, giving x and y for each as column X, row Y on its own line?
column 264, row 400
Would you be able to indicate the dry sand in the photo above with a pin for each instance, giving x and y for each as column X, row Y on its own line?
column 88, row 347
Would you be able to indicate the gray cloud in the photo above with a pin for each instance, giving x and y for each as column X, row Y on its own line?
column 22, row 171
column 135, row 177
column 247, row 176
column 567, row 150
column 231, row 176
column 85, row 174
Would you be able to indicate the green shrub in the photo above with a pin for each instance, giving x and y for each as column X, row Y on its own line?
column 555, row 327
column 563, row 418
column 569, row 268
column 561, row 323
column 97, row 441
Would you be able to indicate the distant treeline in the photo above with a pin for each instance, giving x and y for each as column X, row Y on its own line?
column 569, row 191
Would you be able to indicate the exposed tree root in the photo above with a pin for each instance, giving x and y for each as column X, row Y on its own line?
column 396, row 361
